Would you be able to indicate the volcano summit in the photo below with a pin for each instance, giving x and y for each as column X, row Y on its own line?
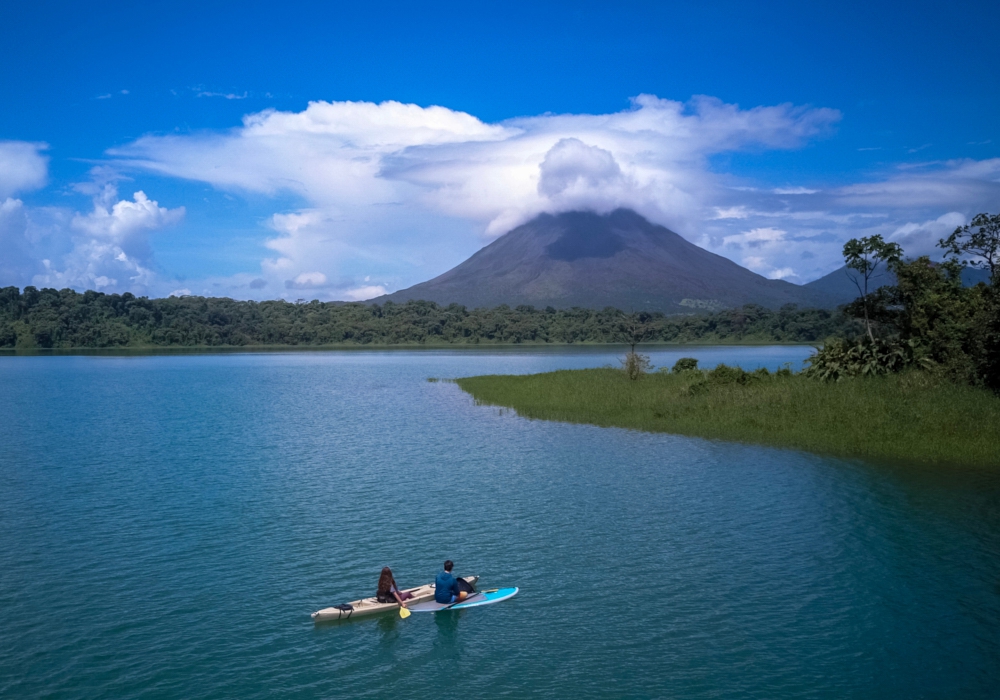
column 598, row 260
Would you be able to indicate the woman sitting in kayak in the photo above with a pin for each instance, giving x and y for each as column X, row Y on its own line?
column 388, row 591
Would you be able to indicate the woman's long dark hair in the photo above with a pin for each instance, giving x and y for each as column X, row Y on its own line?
column 385, row 581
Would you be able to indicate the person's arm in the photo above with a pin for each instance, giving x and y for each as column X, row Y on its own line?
column 394, row 589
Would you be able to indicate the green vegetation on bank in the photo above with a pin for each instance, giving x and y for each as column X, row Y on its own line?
column 915, row 385
column 913, row 416
column 928, row 320
column 50, row 318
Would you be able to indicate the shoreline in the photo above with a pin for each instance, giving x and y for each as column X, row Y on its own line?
column 463, row 347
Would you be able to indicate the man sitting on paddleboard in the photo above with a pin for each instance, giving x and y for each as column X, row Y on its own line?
column 446, row 588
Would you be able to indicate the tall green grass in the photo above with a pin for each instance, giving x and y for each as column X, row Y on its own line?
column 910, row 417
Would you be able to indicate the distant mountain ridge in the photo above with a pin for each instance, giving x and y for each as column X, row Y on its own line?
column 594, row 260
column 840, row 285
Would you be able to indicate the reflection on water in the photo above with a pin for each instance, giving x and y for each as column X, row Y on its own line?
column 388, row 627
column 169, row 522
column 447, row 626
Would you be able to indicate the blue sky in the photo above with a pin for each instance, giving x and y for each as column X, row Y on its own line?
column 320, row 150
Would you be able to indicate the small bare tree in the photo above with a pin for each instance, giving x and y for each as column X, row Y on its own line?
column 633, row 329
column 636, row 364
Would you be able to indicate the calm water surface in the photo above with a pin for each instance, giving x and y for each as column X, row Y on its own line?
column 168, row 523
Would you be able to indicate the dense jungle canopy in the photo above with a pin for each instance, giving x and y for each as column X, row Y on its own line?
column 50, row 318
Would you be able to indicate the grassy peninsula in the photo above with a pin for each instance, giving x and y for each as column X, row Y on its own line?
column 912, row 416
column 920, row 384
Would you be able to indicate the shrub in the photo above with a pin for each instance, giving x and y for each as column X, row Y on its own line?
column 636, row 364
column 724, row 374
column 839, row 359
column 685, row 364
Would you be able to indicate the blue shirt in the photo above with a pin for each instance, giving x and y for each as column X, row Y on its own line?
column 445, row 586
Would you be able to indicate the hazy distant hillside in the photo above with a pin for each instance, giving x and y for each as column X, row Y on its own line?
column 840, row 287
column 593, row 261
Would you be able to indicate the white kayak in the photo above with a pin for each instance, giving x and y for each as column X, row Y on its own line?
column 371, row 606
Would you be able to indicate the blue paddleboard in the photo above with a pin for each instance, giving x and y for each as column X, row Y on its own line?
column 473, row 601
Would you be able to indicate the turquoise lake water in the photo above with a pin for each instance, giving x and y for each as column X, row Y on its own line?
column 168, row 523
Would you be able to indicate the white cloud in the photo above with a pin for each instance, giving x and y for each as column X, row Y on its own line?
column 755, row 237
column 573, row 165
column 394, row 181
column 307, row 280
column 956, row 183
column 401, row 190
column 125, row 222
column 330, row 153
column 17, row 262
column 110, row 245
column 366, row 292
column 224, row 95
column 922, row 238
column 730, row 213
column 350, row 155
column 22, row 167
column 794, row 190
column 914, row 205
column 655, row 162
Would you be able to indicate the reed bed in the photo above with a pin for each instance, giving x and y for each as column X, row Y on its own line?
column 911, row 417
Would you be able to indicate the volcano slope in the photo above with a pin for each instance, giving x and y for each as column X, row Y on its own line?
column 594, row 261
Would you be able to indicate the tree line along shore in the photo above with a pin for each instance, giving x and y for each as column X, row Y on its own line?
column 917, row 380
column 49, row 318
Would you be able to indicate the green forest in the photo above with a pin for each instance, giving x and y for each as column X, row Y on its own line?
column 928, row 321
column 50, row 318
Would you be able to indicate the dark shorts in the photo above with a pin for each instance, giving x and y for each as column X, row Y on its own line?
column 390, row 598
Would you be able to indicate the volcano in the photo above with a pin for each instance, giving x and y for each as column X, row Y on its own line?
column 594, row 261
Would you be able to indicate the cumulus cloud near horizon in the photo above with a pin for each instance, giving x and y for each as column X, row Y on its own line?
column 107, row 248
column 23, row 167
column 110, row 245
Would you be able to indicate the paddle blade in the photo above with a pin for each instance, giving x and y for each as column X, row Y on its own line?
column 404, row 613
